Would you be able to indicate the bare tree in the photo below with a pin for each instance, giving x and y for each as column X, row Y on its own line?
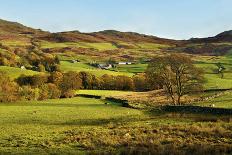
column 176, row 74
column 220, row 69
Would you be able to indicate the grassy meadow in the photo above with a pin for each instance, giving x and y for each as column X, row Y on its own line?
column 96, row 126
column 81, row 125
column 14, row 72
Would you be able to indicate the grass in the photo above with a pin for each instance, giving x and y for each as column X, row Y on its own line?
column 152, row 46
column 104, row 93
column 81, row 125
column 68, row 66
column 224, row 101
column 214, row 81
column 134, row 68
column 14, row 72
column 98, row 46
column 15, row 43
column 29, row 125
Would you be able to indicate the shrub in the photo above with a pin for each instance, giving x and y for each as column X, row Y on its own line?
column 56, row 78
column 89, row 81
column 9, row 90
column 69, row 94
column 53, row 91
column 71, row 81
column 124, row 83
column 38, row 80
column 28, row 93
column 140, row 82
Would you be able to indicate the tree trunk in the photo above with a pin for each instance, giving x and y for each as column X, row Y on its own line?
column 178, row 100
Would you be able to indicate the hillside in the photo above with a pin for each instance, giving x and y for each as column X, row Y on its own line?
column 18, row 41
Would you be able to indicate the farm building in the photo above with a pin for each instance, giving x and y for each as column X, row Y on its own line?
column 124, row 63
column 105, row 66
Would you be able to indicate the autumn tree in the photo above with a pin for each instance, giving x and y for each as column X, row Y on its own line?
column 124, row 83
column 140, row 82
column 177, row 74
column 9, row 90
column 71, row 81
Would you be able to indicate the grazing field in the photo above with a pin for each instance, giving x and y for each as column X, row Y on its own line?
column 80, row 125
column 223, row 101
column 13, row 72
column 134, row 68
column 78, row 67
column 104, row 93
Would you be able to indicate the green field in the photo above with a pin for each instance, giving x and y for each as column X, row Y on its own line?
column 13, row 72
column 68, row 66
column 104, row 93
column 223, row 101
column 134, row 68
column 80, row 125
column 43, row 125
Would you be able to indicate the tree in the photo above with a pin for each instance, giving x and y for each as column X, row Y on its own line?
column 108, row 82
column 220, row 69
column 9, row 90
column 90, row 81
column 176, row 74
column 53, row 91
column 38, row 80
column 28, row 93
column 71, row 81
column 124, row 83
column 140, row 82
column 41, row 68
column 56, row 78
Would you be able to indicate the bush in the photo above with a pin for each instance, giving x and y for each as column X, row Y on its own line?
column 90, row 81
column 71, row 81
column 124, row 83
column 140, row 82
column 53, row 91
column 9, row 90
column 69, row 94
column 56, row 78
column 38, row 80
column 28, row 93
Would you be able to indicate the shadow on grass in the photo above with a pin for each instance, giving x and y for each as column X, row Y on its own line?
column 78, row 122
column 197, row 110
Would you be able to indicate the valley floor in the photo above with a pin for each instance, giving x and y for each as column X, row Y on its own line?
column 82, row 125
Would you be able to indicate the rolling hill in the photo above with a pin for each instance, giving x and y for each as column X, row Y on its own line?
column 17, row 40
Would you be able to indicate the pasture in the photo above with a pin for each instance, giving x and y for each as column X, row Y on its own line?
column 81, row 125
column 78, row 67
column 14, row 72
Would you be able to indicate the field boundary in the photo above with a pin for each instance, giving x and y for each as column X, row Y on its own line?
column 197, row 109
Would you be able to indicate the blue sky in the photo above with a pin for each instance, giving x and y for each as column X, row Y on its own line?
column 178, row 19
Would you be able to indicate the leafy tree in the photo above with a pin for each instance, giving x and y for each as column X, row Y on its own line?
column 90, row 81
column 53, row 91
column 140, row 82
column 28, row 93
column 177, row 74
column 71, row 81
column 56, row 78
column 9, row 90
column 124, row 83
column 108, row 82
column 38, row 80
column 41, row 68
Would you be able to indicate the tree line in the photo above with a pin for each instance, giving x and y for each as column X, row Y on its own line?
column 175, row 74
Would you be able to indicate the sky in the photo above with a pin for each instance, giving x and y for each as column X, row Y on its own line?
column 174, row 19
